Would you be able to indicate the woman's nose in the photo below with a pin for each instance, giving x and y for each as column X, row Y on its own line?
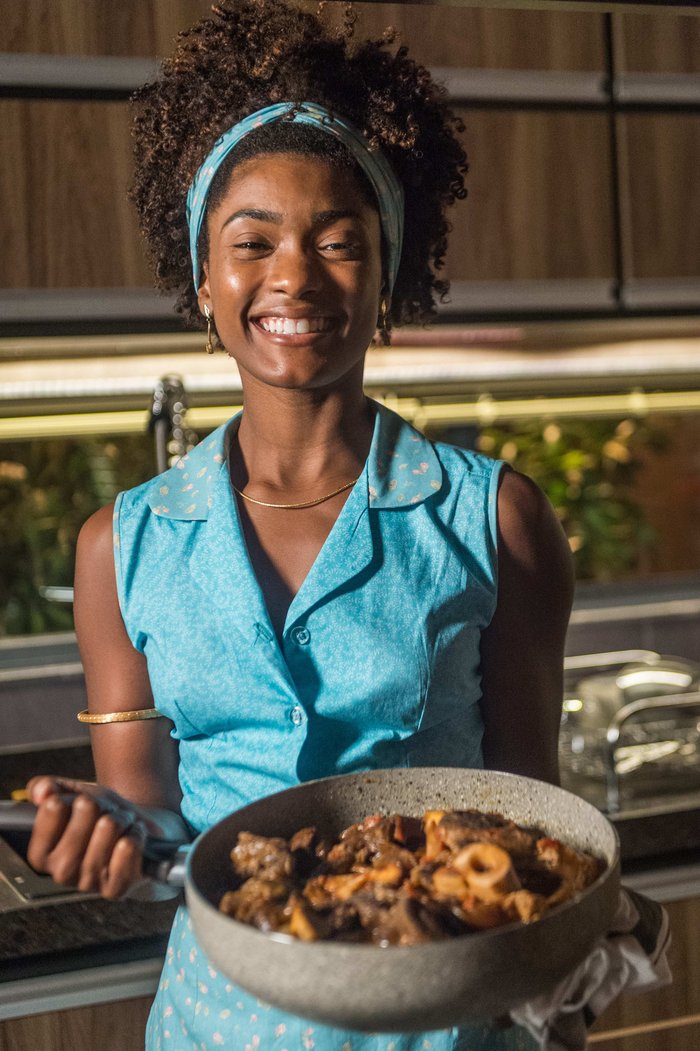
column 295, row 271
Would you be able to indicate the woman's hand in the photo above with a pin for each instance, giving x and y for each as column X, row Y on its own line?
column 89, row 837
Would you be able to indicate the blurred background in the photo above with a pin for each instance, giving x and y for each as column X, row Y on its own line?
column 569, row 346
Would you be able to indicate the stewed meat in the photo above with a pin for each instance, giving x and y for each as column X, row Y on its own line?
column 397, row 880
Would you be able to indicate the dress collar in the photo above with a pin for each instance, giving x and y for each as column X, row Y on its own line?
column 402, row 469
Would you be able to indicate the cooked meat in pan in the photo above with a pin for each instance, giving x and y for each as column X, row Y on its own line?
column 401, row 880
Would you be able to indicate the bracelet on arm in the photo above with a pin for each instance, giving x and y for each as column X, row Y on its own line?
column 119, row 717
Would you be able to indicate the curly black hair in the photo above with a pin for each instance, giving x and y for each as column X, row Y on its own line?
column 253, row 53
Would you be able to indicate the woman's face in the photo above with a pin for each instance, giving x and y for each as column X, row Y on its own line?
column 294, row 274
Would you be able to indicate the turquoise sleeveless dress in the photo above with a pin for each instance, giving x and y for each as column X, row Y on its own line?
column 378, row 667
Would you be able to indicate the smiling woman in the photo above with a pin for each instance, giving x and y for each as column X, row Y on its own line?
column 316, row 589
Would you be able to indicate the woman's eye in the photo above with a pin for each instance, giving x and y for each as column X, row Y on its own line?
column 340, row 246
column 253, row 245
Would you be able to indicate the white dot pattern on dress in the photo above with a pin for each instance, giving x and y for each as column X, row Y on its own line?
column 232, row 1024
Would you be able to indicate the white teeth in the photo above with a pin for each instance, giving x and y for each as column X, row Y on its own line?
column 289, row 326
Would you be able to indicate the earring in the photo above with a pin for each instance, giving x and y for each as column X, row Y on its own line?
column 384, row 322
column 209, row 346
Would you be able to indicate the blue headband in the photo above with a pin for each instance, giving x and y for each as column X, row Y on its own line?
column 375, row 166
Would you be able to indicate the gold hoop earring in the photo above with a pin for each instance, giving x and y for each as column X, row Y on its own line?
column 209, row 346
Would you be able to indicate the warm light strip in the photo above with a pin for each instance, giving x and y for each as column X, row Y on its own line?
column 647, row 1027
column 73, row 425
column 487, row 410
column 484, row 412
column 84, row 424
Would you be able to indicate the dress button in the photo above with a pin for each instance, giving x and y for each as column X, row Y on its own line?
column 297, row 716
column 302, row 636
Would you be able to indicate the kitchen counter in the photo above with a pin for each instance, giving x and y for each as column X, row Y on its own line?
column 46, row 931
column 88, row 951
column 76, row 949
column 60, row 948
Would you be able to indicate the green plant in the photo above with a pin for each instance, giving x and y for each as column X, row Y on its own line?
column 47, row 490
column 587, row 468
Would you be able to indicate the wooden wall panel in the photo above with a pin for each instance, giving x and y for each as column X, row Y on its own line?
column 63, row 187
column 681, row 999
column 660, row 156
column 657, row 43
column 539, row 198
column 491, row 38
column 106, row 1027
column 108, row 27
column 441, row 35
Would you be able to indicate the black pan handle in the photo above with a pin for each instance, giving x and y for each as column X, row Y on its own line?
column 163, row 859
column 16, row 817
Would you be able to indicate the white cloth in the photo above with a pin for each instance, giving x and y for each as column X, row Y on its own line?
column 631, row 957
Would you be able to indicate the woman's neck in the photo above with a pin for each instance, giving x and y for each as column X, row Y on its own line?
column 295, row 441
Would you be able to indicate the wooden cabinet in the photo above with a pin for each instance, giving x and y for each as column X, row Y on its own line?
column 541, row 208
column 63, row 188
column 83, row 27
column 657, row 57
column 479, row 38
column 656, row 43
column 440, row 35
column 666, row 1019
column 539, row 203
column 108, row 1027
column 660, row 160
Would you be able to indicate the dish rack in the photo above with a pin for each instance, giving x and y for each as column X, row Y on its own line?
column 630, row 733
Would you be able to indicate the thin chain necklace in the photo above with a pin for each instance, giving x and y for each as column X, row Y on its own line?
column 295, row 507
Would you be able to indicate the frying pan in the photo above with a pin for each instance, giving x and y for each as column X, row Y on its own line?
column 404, row 988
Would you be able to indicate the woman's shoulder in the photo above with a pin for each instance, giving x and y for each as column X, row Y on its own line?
column 96, row 533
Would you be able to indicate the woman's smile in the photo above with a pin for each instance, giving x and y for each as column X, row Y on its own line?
column 294, row 273
column 288, row 328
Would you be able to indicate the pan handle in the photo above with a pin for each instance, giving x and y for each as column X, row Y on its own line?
column 16, row 817
column 163, row 859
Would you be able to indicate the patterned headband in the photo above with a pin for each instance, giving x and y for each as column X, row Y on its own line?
column 375, row 166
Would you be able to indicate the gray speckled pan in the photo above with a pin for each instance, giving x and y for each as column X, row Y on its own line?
column 422, row 987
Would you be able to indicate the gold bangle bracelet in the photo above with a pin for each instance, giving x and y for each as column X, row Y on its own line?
column 119, row 717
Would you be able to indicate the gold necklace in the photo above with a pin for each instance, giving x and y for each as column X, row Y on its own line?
column 295, row 507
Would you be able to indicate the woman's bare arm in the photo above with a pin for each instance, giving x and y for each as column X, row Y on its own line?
column 522, row 650
column 136, row 759
column 137, row 791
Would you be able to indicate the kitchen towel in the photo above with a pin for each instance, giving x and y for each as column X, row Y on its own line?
column 632, row 957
